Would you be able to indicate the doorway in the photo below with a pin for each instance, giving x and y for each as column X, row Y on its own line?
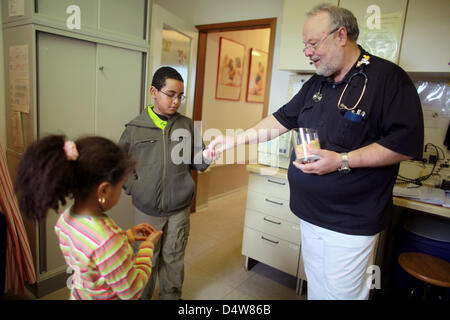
column 219, row 114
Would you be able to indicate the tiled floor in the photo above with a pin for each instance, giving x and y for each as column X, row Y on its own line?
column 214, row 263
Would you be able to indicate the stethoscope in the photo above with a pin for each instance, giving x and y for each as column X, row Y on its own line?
column 341, row 106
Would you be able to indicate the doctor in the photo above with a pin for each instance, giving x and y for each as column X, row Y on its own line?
column 369, row 118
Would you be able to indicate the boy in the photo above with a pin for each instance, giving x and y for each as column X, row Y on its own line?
column 162, row 188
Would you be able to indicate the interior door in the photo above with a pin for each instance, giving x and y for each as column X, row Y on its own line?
column 173, row 42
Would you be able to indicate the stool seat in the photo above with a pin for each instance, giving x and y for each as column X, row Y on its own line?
column 427, row 268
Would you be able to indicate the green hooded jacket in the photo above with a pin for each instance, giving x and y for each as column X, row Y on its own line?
column 161, row 183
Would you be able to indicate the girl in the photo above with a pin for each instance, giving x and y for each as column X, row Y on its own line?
column 91, row 170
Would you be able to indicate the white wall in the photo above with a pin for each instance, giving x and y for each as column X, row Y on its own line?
column 2, row 90
column 199, row 12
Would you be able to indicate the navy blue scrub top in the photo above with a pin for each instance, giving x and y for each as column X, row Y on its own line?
column 357, row 203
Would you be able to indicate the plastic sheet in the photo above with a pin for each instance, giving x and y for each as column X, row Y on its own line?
column 434, row 94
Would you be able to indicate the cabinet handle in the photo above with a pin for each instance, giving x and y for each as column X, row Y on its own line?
column 275, row 242
column 282, row 183
column 268, row 220
column 274, row 202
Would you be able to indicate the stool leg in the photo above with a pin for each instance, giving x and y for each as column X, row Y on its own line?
column 426, row 291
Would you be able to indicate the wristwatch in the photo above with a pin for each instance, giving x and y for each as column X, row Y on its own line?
column 344, row 166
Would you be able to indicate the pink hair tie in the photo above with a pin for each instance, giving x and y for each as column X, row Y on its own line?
column 71, row 150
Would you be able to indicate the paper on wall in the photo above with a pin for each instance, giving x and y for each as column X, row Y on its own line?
column 383, row 41
column 16, row 128
column 16, row 8
column 19, row 79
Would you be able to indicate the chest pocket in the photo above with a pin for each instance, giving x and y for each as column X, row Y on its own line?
column 147, row 151
column 346, row 134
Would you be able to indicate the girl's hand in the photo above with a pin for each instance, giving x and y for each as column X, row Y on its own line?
column 142, row 231
column 152, row 239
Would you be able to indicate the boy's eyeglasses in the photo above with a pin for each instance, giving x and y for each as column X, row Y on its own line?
column 172, row 96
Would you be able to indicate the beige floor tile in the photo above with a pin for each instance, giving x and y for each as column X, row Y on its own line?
column 225, row 263
column 270, row 284
column 199, row 285
column 237, row 294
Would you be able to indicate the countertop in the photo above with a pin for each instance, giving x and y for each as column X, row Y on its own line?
column 401, row 202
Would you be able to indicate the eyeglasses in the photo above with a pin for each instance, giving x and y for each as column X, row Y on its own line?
column 315, row 46
column 172, row 96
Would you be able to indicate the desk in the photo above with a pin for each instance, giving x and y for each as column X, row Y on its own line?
column 422, row 206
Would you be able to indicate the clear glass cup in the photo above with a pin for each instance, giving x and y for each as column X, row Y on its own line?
column 306, row 139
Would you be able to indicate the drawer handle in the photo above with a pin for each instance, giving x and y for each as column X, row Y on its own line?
column 275, row 242
column 268, row 220
column 282, row 183
column 271, row 201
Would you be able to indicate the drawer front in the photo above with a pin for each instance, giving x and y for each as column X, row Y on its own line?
column 271, row 205
column 269, row 185
column 271, row 250
column 273, row 225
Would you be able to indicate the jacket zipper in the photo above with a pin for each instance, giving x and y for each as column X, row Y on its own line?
column 164, row 172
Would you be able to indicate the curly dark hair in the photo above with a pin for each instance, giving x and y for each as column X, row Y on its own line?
column 163, row 73
column 45, row 177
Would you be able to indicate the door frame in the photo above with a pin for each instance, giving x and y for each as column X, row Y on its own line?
column 270, row 23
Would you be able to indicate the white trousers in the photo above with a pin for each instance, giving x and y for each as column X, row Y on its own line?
column 336, row 263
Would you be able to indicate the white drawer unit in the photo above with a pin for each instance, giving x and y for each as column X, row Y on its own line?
column 273, row 186
column 271, row 205
column 272, row 232
column 273, row 225
column 271, row 250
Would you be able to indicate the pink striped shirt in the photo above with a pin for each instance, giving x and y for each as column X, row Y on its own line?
column 100, row 255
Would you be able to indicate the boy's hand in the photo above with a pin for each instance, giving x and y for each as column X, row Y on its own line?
column 209, row 154
column 142, row 231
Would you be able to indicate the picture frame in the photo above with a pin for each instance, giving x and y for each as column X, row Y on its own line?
column 257, row 76
column 229, row 70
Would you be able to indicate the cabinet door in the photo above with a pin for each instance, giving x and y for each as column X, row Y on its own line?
column 57, row 10
column 383, row 38
column 127, row 18
column 119, row 89
column 66, row 101
column 120, row 95
column 425, row 45
column 294, row 17
column 66, row 84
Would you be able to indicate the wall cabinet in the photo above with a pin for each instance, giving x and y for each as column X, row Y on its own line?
column 125, row 21
column 425, row 46
column 272, row 231
column 76, row 83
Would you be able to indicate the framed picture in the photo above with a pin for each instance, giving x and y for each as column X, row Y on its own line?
column 257, row 74
column 229, row 70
